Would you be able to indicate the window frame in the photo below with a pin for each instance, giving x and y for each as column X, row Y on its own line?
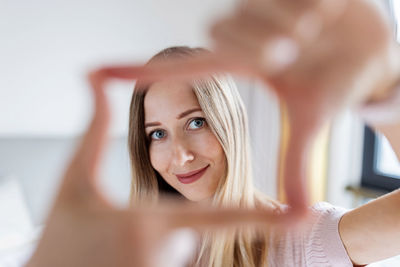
column 370, row 177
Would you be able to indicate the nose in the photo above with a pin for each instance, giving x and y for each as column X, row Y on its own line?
column 181, row 153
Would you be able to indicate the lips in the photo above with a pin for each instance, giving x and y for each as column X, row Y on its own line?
column 192, row 176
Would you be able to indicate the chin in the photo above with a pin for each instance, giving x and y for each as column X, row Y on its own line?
column 197, row 197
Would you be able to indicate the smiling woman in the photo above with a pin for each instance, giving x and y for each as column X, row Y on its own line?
column 192, row 139
column 182, row 147
column 196, row 145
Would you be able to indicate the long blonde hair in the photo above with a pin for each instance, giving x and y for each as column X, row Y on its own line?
column 227, row 118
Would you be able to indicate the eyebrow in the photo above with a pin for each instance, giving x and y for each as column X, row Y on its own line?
column 180, row 116
column 187, row 112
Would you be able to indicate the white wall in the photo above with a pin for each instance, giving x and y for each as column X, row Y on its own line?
column 47, row 46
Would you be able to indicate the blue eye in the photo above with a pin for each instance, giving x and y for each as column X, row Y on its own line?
column 197, row 123
column 157, row 134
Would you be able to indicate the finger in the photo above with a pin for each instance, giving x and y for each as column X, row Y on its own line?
column 208, row 218
column 83, row 169
column 95, row 138
column 303, row 20
column 295, row 180
column 201, row 217
column 289, row 9
column 303, row 124
column 258, row 47
column 179, row 68
column 295, row 18
column 277, row 53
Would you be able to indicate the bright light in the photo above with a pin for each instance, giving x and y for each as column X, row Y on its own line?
column 387, row 162
column 396, row 9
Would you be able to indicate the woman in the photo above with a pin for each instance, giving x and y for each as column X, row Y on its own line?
column 330, row 73
column 203, row 155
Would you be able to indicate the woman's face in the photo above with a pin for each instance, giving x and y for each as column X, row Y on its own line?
column 183, row 149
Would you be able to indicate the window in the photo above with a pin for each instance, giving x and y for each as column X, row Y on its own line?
column 381, row 168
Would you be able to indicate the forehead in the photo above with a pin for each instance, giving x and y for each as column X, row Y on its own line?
column 168, row 98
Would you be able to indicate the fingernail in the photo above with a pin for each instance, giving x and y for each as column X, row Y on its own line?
column 178, row 248
column 279, row 54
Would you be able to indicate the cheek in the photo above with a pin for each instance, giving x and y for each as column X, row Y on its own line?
column 158, row 158
column 209, row 146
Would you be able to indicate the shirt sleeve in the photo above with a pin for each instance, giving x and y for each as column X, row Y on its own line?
column 316, row 243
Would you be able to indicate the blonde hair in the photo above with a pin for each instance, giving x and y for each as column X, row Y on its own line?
column 227, row 118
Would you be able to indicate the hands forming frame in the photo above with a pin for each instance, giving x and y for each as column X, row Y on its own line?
column 318, row 56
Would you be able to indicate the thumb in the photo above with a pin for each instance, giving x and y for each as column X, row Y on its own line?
column 177, row 249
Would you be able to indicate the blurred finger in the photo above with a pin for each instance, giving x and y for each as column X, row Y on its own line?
column 95, row 138
column 303, row 20
column 303, row 125
column 84, row 166
column 295, row 18
column 289, row 9
column 294, row 178
column 261, row 48
column 205, row 217
column 178, row 68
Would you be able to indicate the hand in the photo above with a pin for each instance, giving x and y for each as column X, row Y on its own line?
column 84, row 229
column 334, row 62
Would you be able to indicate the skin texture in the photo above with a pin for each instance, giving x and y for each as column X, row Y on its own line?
column 340, row 56
column 183, row 147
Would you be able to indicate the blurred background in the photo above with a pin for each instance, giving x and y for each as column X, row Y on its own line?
column 46, row 49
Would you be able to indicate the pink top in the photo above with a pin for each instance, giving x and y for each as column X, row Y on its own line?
column 318, row 244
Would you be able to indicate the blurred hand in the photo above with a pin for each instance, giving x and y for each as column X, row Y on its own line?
column 317, row 55
column 84, row 229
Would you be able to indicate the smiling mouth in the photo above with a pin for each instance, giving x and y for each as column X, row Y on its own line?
column 191, row 177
